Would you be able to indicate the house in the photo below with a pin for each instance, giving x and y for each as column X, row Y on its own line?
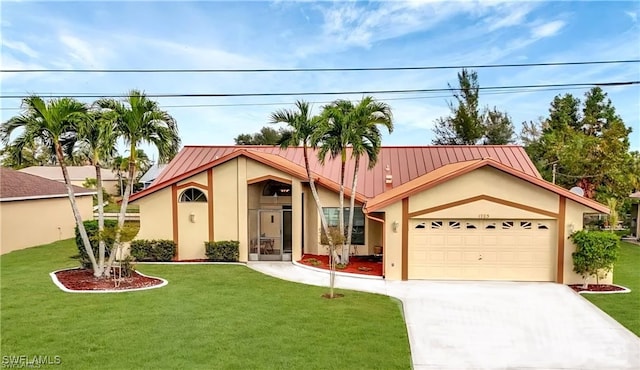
column 437, row 212
column 77, row 174
column 635, row 214
column 35, row 210
column 152, row 173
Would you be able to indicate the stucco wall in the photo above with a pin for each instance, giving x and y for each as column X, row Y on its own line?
column 225, row 206
column 27, row 223
column 393, row 243
column 574, row 220
column 156, row 219
column 487, row 181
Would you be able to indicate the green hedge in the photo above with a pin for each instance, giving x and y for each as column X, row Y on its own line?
column 92, row 233
column 223, row 251
column 160, row 250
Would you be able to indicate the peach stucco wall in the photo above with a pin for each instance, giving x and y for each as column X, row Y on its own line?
column 155, row 216
column 27, row 223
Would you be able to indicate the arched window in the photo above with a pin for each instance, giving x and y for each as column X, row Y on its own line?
column 192, row 195
column 274, row 187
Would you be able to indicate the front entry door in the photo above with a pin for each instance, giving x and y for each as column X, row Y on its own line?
column 270, row 235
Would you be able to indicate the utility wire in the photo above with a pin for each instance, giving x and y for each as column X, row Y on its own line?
column 261, row 70
column 326, row 102
column 405, row 91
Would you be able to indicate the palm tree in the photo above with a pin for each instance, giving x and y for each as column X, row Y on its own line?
column 301, row 131
column 140, row 120
column 366, row 139
column 98, row 140
column 54, row 125
column 334, row 135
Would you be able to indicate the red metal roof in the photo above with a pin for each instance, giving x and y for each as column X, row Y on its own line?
column 403, row 163
column 16, row 185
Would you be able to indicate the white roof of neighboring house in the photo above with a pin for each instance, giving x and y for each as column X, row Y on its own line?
column 16, row 185
column 152, row 173
column 76, row 173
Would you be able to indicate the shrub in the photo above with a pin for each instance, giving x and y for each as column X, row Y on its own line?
column 596, row 252
column 223, row 251
column 160, row 250
column 341, row 266
column 94, row 238
column 313, row 261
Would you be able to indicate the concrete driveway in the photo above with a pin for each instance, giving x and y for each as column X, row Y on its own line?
column 494, row 325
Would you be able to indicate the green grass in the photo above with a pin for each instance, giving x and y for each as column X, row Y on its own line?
column 209, row 316
column 115, row 208
column 623, row 307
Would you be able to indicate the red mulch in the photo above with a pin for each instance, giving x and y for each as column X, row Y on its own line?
column 355, row 262
column 80, row 279
column 596, row 288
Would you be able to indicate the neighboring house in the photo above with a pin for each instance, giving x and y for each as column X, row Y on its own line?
column 438, row 212
column 635, row 214
column 77, row 174
column 151, row 175
column 35, row 210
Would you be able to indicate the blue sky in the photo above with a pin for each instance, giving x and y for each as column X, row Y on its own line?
column 284, row 34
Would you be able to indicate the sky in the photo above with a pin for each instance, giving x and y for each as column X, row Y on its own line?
column 307, row 34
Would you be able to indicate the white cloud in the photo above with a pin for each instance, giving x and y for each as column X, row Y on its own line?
column 547, row 29
column 87, row 53
column 20, row 47
column 632, row 15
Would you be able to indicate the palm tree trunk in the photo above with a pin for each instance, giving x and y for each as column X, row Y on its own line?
column 123, row 207
column 345, row 248
column 76, row 213
column 101, row 246
column 323, row 221
column 352, row 202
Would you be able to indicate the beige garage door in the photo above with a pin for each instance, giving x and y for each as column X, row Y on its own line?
column 518, row 250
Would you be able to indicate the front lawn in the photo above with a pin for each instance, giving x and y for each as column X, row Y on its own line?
column 209, row 316
column 626, row 272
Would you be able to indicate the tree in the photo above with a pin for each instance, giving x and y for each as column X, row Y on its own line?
column 467, row 125
column 302, row 126
column 595, row 254
column 54, row 124
column 498, row 128
column 97, row 137
column 266, row 136
column 588, row 147
column 140, row 120
column 334, row 135
column 464, row 126
column 365, row 139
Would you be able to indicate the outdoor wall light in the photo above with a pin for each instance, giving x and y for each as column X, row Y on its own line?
column 394, row 226
column 192, row 217
column 571, row 228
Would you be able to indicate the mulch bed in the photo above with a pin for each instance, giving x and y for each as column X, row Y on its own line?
column 81, row 279
column 357, row 264
column 596, row 288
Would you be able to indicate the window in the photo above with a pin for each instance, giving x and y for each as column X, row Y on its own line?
column 192, row 195
column 454, row 224
column 436, row 224
column 543, row 226
column 332, row 215
column 490, row 226
column 420, row 225
column 525, row 225
column 274, row 187
column 471, row 226
column 507, row 225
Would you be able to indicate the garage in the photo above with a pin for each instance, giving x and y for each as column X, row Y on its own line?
column 482, row 249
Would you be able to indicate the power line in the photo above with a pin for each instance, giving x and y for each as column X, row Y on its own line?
column 327, row 102
column 401, row 91
column 262, row 70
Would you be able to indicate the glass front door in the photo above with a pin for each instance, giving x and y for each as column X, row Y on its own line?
column 269, row 235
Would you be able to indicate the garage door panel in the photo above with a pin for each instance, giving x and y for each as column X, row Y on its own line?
column 520, row 250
